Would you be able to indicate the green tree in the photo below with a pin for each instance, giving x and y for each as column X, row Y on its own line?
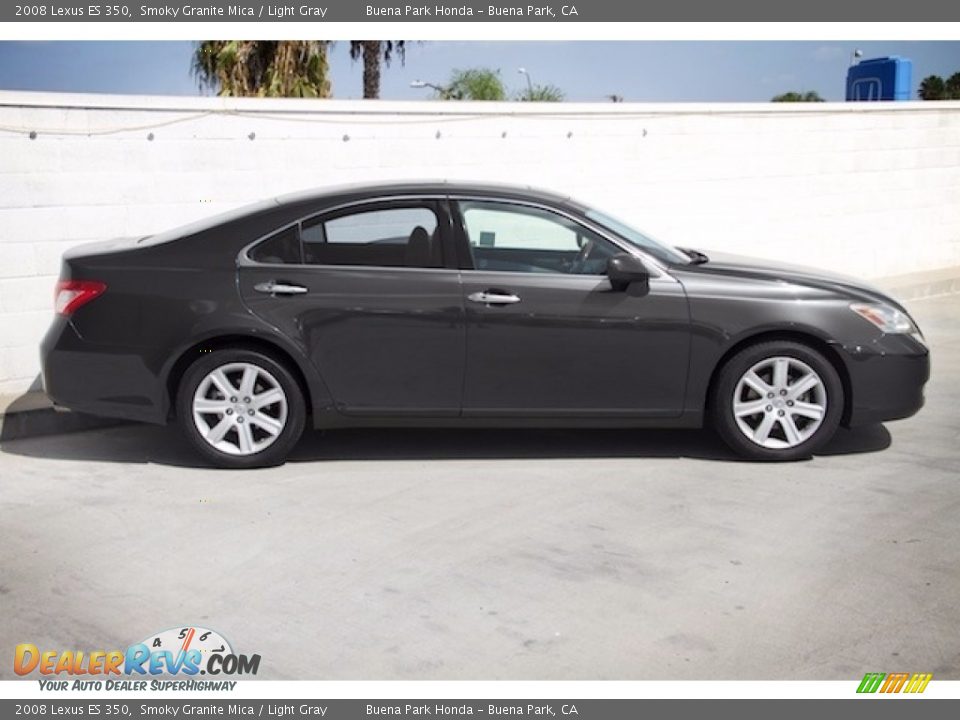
column 952, row 86
column 263, row 68
column 473, row 84
column 541, row 93
column 809, row 96
column 375, row 55
column 932, row 88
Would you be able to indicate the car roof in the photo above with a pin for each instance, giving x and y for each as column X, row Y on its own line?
column 425, row 187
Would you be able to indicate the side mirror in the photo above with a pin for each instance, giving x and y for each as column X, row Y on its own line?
column 624, row 270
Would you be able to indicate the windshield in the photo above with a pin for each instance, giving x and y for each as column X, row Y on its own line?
column 635, row 237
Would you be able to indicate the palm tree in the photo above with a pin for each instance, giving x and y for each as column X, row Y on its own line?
column 263, row 68
column 541, row 93
column 932, row 88
column 952, row 86
column 809, row 96
column 376, row 53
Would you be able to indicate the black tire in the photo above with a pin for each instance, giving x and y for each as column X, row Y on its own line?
column 725, row 387
column 283, row 442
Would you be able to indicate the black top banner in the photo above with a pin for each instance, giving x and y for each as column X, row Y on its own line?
column 321, row 11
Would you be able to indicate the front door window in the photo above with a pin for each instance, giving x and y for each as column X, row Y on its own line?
column 505, row 237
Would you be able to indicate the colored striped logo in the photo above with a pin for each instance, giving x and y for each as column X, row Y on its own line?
column 894, row 682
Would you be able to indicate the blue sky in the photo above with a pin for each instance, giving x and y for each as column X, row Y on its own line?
column 585, row 71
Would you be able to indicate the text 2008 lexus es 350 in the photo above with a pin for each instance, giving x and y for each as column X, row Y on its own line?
column 442, row 304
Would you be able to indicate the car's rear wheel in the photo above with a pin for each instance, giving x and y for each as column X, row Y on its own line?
column 778, row 400
column 241, row 408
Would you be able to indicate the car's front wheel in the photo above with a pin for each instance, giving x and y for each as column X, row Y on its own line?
column 777, row 400
column 240, row 408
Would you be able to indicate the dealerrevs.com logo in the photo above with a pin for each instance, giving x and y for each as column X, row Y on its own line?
column 185, row 651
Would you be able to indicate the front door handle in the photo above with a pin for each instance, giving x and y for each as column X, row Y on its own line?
column 489, row 297
column 274, row 288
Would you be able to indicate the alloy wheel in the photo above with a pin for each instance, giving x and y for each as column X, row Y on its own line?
column 780, row 402
column 239, row 408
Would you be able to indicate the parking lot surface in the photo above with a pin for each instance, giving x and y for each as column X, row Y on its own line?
column 479, row 554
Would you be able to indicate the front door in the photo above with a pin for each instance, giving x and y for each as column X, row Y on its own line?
column 548, row 336
column 367, row 293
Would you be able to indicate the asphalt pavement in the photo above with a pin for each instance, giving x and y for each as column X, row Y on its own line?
column 481, row 554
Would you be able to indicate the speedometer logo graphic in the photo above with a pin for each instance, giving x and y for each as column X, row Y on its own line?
column 184, row 639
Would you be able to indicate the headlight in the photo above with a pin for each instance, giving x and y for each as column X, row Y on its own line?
column 888, row 319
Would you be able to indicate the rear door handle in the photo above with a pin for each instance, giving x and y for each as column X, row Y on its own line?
column 274, row 288
column 493, row 298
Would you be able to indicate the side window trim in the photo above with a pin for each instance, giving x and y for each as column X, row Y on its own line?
column 439, row 204
column 455, row 242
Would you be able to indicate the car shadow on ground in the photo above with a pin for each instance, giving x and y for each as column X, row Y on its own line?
column 165, row 446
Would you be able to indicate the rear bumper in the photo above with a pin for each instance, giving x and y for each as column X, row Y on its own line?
column 98, row 379
column 886, row 380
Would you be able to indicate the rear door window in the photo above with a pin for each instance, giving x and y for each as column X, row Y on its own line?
column 405, row 236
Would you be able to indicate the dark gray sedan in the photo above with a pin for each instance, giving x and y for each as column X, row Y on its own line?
column 440, row 304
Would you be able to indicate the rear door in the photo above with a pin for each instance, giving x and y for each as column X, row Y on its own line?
column 547, row 335
column 371, row 293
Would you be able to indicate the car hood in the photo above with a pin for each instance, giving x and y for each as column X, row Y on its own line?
column 759, row 269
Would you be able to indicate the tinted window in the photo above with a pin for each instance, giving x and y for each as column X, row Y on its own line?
column 282, row 247
column 516, row 238
column 396, row 236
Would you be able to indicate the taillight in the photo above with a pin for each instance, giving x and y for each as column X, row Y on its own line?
column 72, row 294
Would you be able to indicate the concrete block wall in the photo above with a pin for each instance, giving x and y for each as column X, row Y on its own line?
column 870, row 189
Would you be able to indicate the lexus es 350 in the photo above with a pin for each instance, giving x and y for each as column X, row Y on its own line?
column 440, row 304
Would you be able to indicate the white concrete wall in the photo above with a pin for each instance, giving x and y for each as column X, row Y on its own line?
column 869, row 189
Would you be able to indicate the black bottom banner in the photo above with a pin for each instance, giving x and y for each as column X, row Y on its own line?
column 875, row 708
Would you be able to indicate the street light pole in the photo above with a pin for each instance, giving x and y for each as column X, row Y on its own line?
column 523, row 71
column 442, row 91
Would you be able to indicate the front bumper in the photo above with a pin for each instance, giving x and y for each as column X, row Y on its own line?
column 886, row 379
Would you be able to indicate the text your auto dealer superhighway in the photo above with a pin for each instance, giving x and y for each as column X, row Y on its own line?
column 228, row 11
